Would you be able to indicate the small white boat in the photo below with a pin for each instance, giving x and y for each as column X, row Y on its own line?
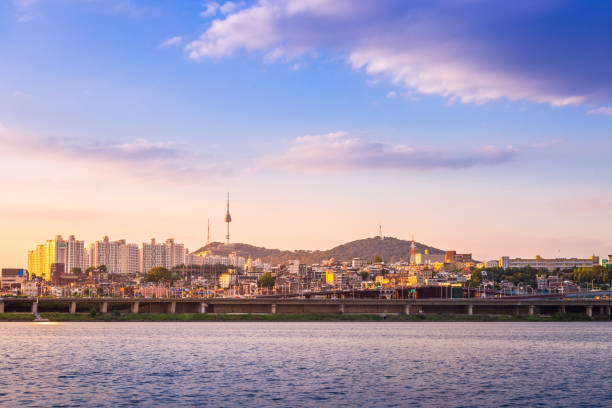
column 39, row 319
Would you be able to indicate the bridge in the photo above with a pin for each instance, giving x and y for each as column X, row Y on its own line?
column 469, row 306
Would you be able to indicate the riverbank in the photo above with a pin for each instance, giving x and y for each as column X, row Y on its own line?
column 196, row 317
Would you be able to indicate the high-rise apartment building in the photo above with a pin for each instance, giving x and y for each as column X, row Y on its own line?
column 166, row 255
column 118, row 256
column 69, row 253
column 154, row 255
column 176, row 252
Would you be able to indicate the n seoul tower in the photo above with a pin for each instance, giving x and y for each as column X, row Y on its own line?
column 227, row 219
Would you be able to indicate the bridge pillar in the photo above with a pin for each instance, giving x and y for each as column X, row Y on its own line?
column 203, row 307
column 104, row 307
column 273, row 308
column 589, row 311
column 34, row 308
column 602, row 310
column 470, row 309
column 1, row 307
column 517, row 310
column 531, row 310
column 341, row 308
column 407, row 310
column 562, row 309
column 172, row 308
column 608, row 310
column 72, row 307
column 134, row 307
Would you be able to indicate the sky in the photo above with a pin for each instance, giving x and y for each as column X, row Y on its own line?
column 478, row 126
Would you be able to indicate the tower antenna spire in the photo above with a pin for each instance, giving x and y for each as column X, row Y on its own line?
column 227, row 219
column 412, row 251
column 208, row 233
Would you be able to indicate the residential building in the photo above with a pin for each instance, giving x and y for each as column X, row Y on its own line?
column 548, row 263
column 428, row 259
column 154, row 255
column 69, row 252
column 176, row 253
column 13, row 278
column 358, row 263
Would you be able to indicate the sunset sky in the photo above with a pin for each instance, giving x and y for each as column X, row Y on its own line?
column 479, row 126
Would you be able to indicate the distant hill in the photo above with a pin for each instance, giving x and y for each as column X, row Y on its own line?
column 390, row 249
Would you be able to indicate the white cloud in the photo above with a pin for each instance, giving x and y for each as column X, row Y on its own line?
column 230, row 6
column 171, row 42
column 415, row 48
column 603, row 110
column 140, row 158
column 210, row 9
column 341, row 152
column 251, row 29
column 391, row 94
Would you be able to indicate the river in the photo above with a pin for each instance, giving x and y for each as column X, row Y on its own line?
column 348, row 364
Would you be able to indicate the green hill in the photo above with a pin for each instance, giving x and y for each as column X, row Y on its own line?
column 390, row 249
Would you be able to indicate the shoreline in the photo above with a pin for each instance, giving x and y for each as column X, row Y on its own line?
column 211, row 317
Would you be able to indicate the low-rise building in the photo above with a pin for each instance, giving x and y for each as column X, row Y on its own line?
column 548, row 263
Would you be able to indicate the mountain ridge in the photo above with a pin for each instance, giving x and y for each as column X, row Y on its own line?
column 390, row 249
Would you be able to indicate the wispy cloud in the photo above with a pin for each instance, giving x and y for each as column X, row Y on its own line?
column 210, row 9
column 603, row 110
column 340, row 152
column 391, row 94
column 424, row 47
column 230, row 7
column 171, row 42
column 26, row 10
column 546, row 144
column 140, row 158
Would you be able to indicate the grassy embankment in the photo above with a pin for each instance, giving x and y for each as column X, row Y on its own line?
column 146, row 317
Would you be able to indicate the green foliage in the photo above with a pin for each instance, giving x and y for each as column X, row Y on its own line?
column 476, row 278
column 76, row 271
column 528, row 275
column 93, row 312
column 102, row 268
column 160, row 274
column 266, row 280
column 377, row 259
column 364, row 275
column 596, row 274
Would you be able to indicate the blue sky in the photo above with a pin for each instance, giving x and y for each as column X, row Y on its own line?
column 478, row 126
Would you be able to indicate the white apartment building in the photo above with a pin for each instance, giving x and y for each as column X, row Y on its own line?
column 176, row 253
column 118, row 256
column 548, row 263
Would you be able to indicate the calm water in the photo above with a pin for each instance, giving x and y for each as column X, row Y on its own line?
column 306, row 364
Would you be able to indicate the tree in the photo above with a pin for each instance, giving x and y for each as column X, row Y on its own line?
column 476, row 278
column 76, row 271
column 266, row 280
column 102, row 268
column 159, row 274
column 377, row 259
column 364, row 275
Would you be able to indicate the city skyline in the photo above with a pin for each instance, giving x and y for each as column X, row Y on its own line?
column 133, row 119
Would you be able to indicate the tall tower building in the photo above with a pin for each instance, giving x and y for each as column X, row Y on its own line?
column 227, row 219
column 412, row 252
